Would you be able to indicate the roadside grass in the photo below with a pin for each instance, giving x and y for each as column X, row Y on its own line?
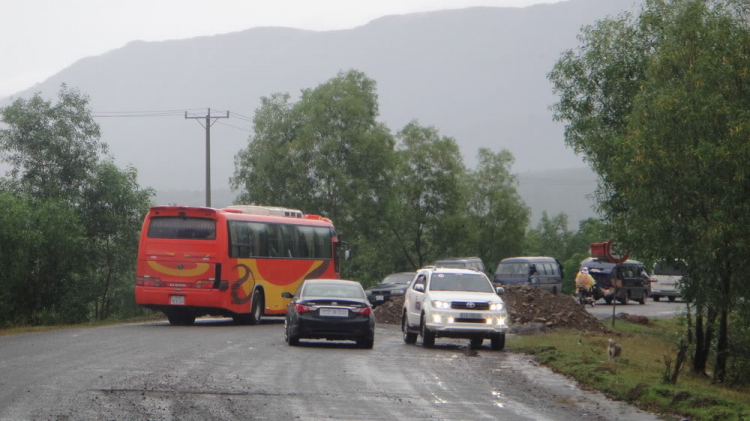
column 636, row 376
column 28, row 329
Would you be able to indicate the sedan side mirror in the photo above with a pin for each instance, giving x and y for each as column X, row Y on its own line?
column 500, row 290
column 287, row 295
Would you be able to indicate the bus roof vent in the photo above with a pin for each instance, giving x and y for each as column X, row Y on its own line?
column 266, row 210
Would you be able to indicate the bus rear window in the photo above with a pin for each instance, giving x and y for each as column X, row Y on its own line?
column 180, row 228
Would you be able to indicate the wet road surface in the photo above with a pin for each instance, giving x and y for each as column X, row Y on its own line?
column 217, row 370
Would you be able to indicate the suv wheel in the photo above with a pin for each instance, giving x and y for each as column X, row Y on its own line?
column 428, row 337
column 410, row 338
column 498, row 341
column 476, row 342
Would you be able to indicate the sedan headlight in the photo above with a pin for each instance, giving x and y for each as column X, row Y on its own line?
column 497, row 307
column 441, row 304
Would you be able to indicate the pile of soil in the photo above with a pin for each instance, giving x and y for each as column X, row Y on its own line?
column 527, row 306
column 390, row 312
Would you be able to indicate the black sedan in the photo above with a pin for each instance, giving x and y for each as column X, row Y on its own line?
column 394, row 285
column 331, row 309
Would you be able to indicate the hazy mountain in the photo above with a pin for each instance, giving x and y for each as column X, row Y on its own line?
column 477, row 74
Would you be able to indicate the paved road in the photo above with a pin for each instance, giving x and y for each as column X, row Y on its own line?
column 652, row 309
column 216, row 370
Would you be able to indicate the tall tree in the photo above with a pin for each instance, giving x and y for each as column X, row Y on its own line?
column 658, row 104
column 496, row 211
column 429, row 200
column 52, row 148
column 112, row 209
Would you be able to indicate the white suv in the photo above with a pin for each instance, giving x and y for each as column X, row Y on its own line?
column 453, row 303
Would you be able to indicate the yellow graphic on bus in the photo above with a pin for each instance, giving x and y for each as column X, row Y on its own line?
column 199, row 269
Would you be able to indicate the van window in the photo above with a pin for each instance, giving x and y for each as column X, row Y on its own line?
column 666, row 269
column 513, row 269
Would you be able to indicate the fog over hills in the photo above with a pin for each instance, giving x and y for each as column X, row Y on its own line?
column 478, row 75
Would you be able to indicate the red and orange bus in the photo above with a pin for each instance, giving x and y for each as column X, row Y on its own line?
column 233, row 262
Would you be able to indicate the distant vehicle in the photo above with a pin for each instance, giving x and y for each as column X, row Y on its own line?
column 392, row 285
column 665, row 281
column 454, row 303
column 634, row 281
column 473, row 263
column 543, row 272
column 331, row 309
column 234, row 262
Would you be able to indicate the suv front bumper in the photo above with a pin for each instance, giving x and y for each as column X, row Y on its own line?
column 452, row 324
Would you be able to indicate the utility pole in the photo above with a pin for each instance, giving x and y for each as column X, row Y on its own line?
column 208, row 125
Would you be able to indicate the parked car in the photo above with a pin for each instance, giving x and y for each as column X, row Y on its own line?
column 665, row 281
column 473, row 263
column 392, row 285
column 542, row 272
column 454, row 303
column 331, row 309
column 634, row 282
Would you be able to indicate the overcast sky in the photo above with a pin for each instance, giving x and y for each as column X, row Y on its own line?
column 38, row 38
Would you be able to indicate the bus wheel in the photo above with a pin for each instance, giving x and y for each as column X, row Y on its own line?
column 174, row 319
column 256, row 310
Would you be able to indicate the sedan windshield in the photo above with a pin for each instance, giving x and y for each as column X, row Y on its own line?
column 334, row 291
column 398, row 278
column 460, row 282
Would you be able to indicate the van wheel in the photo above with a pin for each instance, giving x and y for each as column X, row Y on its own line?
column 656, row 298
column 428, row 337
column 671, row 299
column 410, row 338
column 608, row 300
column 644, row 297
column 554, row 291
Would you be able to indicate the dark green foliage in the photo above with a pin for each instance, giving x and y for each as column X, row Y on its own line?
column 69, row 231
column 401, row 202
column 658, row 104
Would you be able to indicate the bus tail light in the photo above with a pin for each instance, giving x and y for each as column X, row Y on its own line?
column 304, row 308
column 365, row 311
column 204, row 284
column 147, row 282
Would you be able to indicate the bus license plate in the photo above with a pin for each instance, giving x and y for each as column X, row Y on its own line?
column 470, row 316
column 334, row 312
column 177, row 300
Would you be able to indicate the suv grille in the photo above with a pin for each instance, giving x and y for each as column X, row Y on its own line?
column 463, row 305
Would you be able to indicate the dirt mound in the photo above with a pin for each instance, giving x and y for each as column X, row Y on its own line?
column 390, row 312
column 526, row 306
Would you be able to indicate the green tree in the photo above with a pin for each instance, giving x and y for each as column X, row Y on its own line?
column 658, row 104
column 325, row 154
column 428, row 194
column 70, row 233
column 497, row 214
column 113, row 208
column 52, row 148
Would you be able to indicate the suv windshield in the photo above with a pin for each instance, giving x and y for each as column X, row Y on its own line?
column 459, row 282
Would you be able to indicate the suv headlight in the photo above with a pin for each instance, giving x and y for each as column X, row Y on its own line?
column 441, row 304
column 497, row 307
